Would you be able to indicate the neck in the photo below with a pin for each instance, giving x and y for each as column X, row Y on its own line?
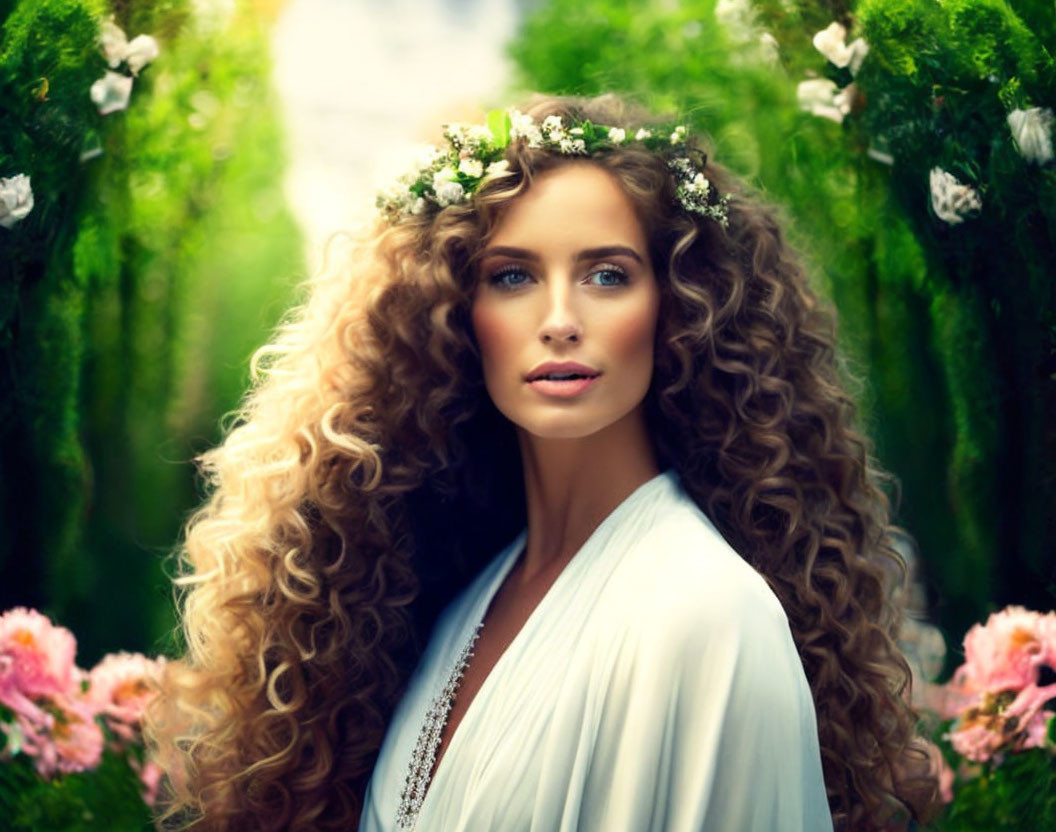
column 572, row 485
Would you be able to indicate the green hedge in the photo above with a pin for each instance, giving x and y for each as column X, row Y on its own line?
column 132, row 297
column 951, row 328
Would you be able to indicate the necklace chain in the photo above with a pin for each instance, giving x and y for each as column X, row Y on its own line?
column 428, row 743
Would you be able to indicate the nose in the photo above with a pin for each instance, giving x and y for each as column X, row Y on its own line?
column 560, row 321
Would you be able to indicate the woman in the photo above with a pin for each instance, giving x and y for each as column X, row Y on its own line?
column 576, row 343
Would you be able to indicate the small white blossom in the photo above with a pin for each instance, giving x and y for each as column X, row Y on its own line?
column 445, row 174
column 552, row 124
column 111, row 92
column 679, row 134
column 141, row 51
column 471, row 167
column 831, row 42
column 113, row 41
column 576, row 131
column 858, row 49
column 570, row 146
column 448, row 193
column 1032, row 133
column 117, row 48
column 642, row 134
column 16, row 199
column 498, row 167
column 768, row 48
column 821, row 97
column 950, row 199
column 617, row 135
column 418, row 206
column 523, row 126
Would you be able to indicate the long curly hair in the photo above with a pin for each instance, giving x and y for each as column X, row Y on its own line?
column 341, row 500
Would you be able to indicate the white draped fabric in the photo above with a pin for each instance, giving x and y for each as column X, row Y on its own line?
column 655, row 688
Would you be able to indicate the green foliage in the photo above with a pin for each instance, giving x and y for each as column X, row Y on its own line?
column 107, row 797
column 950, row 327
column 1018, row 794
column 131, row 298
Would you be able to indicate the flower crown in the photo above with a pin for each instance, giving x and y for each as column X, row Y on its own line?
column 447, row 176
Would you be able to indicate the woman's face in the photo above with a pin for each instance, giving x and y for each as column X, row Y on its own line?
column 567, row 278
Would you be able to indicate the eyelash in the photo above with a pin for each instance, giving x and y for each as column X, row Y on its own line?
column 495, row 278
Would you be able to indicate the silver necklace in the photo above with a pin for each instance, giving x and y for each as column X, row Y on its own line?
column 429, row 740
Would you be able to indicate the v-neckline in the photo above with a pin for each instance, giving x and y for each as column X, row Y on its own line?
column 484, row 602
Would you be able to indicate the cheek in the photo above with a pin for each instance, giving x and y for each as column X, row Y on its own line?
column 494, row 333
column 631, row 335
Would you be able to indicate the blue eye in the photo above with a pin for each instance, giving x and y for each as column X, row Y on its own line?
column 497, row 278
column 619, row 274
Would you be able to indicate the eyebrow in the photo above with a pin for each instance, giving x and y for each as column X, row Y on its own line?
column 586, row 254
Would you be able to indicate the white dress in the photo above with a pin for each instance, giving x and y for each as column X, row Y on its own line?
column 655, row 688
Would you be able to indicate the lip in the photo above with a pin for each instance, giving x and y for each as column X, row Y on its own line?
column 563, row 389
column 561, row 367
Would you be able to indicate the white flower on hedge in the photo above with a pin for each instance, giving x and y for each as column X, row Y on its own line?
column 471, row 167
column 116, row 47
column 1032, row 133
column 111, row 92
column 617, row 135
column 16, row 199
column 950, row 199
column 447, row 193
column 141, row 51
column 820, row 97
column 768, row 48
column 113, row 41
column 831, row 42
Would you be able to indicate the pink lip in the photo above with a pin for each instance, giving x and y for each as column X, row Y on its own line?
column 562, row 389
column 561, row 367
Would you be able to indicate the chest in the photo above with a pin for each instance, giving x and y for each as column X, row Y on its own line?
column 506, row 616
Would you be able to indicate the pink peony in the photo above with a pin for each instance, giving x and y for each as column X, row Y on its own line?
column 121, row 686
column 36, row 657
column 1004, row 653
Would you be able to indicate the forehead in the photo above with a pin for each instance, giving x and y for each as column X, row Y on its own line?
column 576, row 204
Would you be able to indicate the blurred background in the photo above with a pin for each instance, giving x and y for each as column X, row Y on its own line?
column 171, row 224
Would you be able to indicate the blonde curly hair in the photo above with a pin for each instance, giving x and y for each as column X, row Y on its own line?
column 335, row 529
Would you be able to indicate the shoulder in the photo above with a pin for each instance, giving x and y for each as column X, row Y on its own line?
column 686, row 574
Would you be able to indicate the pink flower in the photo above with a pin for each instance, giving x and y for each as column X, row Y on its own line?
column 1004, row 653
column 121, row 686
column 36, row 657
column 62, row 735
column 150, row 776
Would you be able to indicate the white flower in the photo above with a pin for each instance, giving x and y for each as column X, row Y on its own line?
column 951, row 200
column 552, row 124
column 642, row 134
column 419, row 205
column 113, row 41
column 447, row 193
column 141, row 51
column 572, row 145
column 820, row 97
column 111, row 92
column 498, row 167
column 617, row 135
column 445, row 174
column 830, row 42
column 858, row 49
column 522, row 125
column 679, row 134
column 425, row 157
column 116, row 47
column 576, row 131
column 768, row 48
column 16, row 199
column 1032, row 133
column 471, row 167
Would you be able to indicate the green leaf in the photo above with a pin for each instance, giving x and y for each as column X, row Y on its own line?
column 499, row 124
